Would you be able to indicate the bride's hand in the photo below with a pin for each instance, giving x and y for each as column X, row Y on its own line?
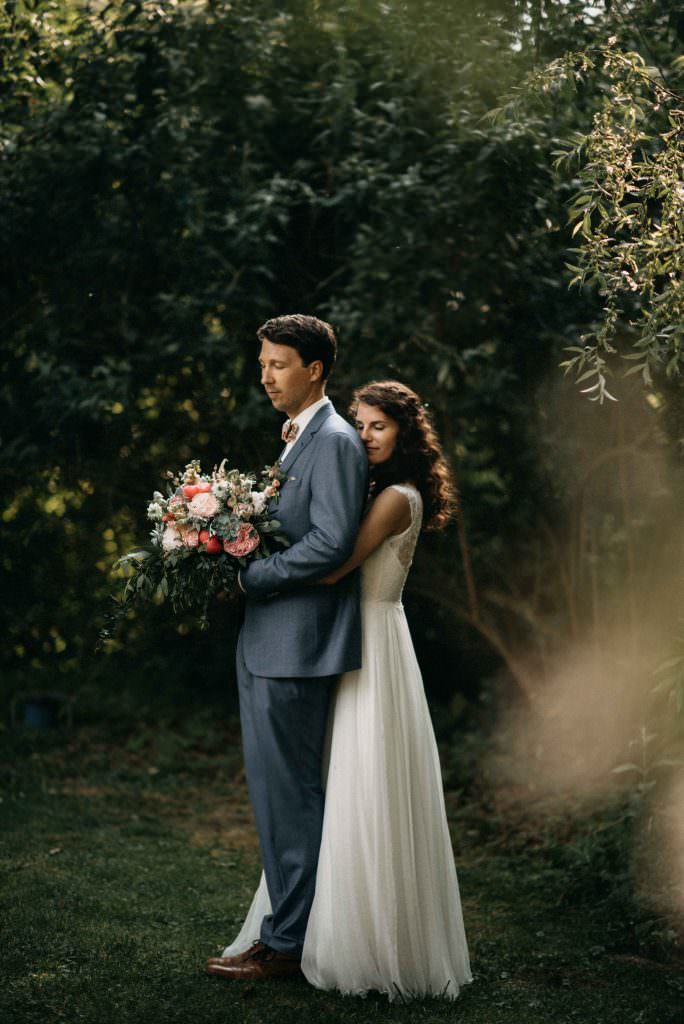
column 327, row 580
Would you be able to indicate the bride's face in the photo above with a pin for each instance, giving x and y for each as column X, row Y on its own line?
column 378, row 431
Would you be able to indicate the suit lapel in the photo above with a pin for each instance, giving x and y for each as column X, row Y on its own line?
column 309, row 432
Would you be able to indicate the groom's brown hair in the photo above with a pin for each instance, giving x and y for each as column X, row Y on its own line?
column 311, row 337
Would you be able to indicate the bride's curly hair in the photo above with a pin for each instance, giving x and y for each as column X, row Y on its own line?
column 417, row 457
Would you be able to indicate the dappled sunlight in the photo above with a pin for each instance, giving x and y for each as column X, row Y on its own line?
column 584, row 722
column 603, row 735
column 599, row 720
column 664, row 831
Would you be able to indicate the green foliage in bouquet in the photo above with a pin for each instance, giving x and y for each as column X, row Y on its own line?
column 189, row 580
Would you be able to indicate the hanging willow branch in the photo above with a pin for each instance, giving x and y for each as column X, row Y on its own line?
column 627, row 211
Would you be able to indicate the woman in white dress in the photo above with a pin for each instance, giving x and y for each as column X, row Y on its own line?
column 386, row 914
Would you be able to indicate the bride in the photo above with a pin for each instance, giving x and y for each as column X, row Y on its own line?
column 386, row 914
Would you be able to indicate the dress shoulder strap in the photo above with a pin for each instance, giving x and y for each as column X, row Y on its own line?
column 414, row 499
column 404, row 544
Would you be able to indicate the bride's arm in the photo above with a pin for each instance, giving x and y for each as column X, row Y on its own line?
column 390, row 513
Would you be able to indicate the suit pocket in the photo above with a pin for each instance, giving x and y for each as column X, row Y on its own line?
column 292, row 489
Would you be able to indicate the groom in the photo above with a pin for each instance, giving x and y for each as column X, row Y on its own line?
column 297, row 638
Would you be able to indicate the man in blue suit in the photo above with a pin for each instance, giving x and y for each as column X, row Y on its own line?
column 297, row 638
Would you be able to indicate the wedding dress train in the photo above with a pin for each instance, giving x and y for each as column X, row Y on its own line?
column 386, row 914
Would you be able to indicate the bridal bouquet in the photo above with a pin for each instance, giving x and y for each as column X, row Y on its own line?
column 205, row 528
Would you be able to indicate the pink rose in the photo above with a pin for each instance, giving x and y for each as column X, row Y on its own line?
column 190, row 537
column 171, row 538
column 203, row 506
column 245, row 542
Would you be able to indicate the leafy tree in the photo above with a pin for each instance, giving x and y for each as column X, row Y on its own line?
column 628, row 207
column 173, row 175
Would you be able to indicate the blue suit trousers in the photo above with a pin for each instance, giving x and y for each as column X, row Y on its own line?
column 283, row 734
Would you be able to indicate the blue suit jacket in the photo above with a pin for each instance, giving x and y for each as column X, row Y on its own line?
column 293, row 627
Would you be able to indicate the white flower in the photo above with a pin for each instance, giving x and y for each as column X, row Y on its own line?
column 259, row 500
column 220, row 490
column 155, row 511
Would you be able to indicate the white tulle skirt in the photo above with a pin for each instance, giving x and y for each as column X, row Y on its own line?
column 387, row 912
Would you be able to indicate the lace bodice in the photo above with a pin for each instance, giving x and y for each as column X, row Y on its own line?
column 384, row 573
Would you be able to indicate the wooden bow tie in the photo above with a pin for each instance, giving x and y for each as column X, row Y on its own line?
column 289, row 431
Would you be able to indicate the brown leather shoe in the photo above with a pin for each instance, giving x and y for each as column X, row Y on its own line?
column 237, row 959
column 259, row 963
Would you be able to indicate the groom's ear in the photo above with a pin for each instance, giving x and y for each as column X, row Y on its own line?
column 315, row 368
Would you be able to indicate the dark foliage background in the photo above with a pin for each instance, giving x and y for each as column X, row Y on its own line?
column 172, row 174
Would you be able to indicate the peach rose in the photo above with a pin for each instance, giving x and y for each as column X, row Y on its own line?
column 190, row 537
column 245, row 542
column 203, row 506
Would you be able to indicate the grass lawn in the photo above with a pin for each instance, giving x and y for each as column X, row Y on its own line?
column 129, row 856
